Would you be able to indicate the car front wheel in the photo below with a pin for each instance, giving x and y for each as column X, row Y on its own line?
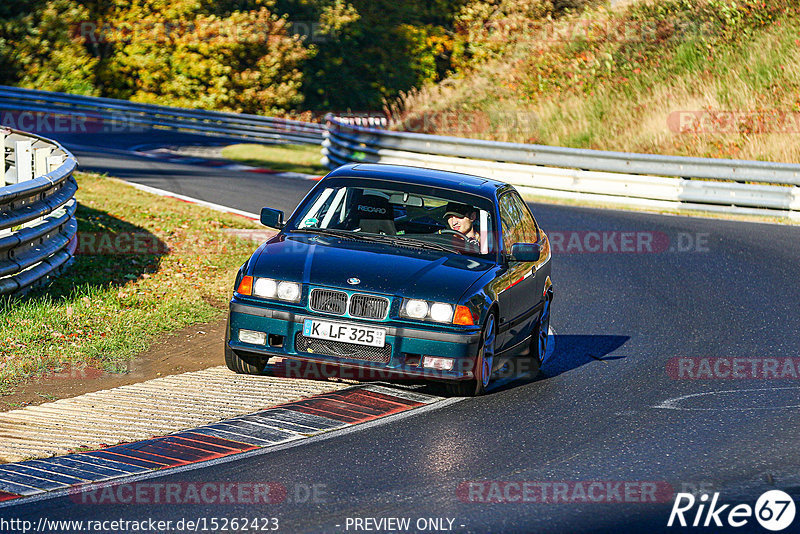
column 483, row 365
column 543, row 331
column 529, row 363
column 244, row 365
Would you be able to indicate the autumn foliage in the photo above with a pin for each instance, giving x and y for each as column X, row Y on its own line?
column 258, row 56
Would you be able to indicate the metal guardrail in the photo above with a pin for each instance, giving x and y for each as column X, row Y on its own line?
column 37, row 210
column 121, row 114
column 645, row 180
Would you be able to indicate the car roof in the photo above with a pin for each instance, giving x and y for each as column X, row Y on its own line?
column 420, row 176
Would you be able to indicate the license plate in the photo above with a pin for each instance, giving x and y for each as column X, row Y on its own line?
column 347, row 333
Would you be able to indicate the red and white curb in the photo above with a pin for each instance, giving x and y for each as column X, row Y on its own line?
column 285, row 425
column 290, row 422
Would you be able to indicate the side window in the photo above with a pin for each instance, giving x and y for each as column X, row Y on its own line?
column 512, row 225
column 530, row 229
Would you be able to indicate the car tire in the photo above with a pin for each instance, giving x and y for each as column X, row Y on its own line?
column 483, row 364
column 244, row 365
column 540, row 335
column 530, row 363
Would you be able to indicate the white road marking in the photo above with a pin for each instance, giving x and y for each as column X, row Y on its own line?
column 211, row 205
column 674, row 403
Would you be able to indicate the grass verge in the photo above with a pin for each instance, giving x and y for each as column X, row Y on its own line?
column 146, row 265
column 282, row 158
column 710, row 78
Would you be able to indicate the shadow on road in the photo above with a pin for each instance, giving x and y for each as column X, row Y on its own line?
column 573, row 351
column 570, row 352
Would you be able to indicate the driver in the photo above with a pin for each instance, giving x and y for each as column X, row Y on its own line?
column 461, row 218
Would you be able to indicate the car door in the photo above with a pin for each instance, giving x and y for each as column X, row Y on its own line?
column 519, row 292
column 541, row 268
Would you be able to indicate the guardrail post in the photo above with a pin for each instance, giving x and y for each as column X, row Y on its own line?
column 2, row 157
column 40, row 156
column 54, row 162
column 23, row 161
column 38, row 210
column 7, row 231
column 794, row 204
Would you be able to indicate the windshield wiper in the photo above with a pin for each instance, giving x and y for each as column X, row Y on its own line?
column 378, row 238
column 328, row 231
column 412, row 242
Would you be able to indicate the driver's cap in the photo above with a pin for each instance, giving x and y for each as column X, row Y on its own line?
column 458, row 209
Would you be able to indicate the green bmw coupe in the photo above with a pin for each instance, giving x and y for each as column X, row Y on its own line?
column 412, row 272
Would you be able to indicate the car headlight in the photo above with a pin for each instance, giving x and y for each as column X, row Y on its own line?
column 266, row 288
column 441, row 312
column 416, row 309
column 289, row 291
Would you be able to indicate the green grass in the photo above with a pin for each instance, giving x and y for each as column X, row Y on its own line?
column 108, row 307
column 282, row 158
column 618, row 89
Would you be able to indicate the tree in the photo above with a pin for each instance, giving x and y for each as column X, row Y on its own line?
column 367, row 51
column 177, row 53
column 40, row 49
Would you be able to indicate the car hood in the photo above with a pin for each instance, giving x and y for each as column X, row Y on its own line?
column 380, row 268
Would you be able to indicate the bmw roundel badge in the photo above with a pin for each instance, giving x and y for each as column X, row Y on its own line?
column 353, row 281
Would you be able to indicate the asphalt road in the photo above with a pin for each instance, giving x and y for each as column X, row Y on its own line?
column 111, row 154
column 611, row 404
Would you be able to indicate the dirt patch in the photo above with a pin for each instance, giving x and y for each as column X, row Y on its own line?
column 190, row 349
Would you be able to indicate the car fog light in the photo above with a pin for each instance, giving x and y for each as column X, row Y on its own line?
column 289, row 291
column 441, row 364
column 252, row 337
column 441, row 312
column 417, row 309
column 265, row 287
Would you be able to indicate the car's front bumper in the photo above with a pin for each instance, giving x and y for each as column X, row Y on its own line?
column 409, row 344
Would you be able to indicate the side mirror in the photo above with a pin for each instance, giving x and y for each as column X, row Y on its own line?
column 272, row 218
column 525, row 252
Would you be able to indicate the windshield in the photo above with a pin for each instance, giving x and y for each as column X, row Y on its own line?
column 425, row 218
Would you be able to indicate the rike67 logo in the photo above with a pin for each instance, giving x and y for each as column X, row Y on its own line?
column 774, row 510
